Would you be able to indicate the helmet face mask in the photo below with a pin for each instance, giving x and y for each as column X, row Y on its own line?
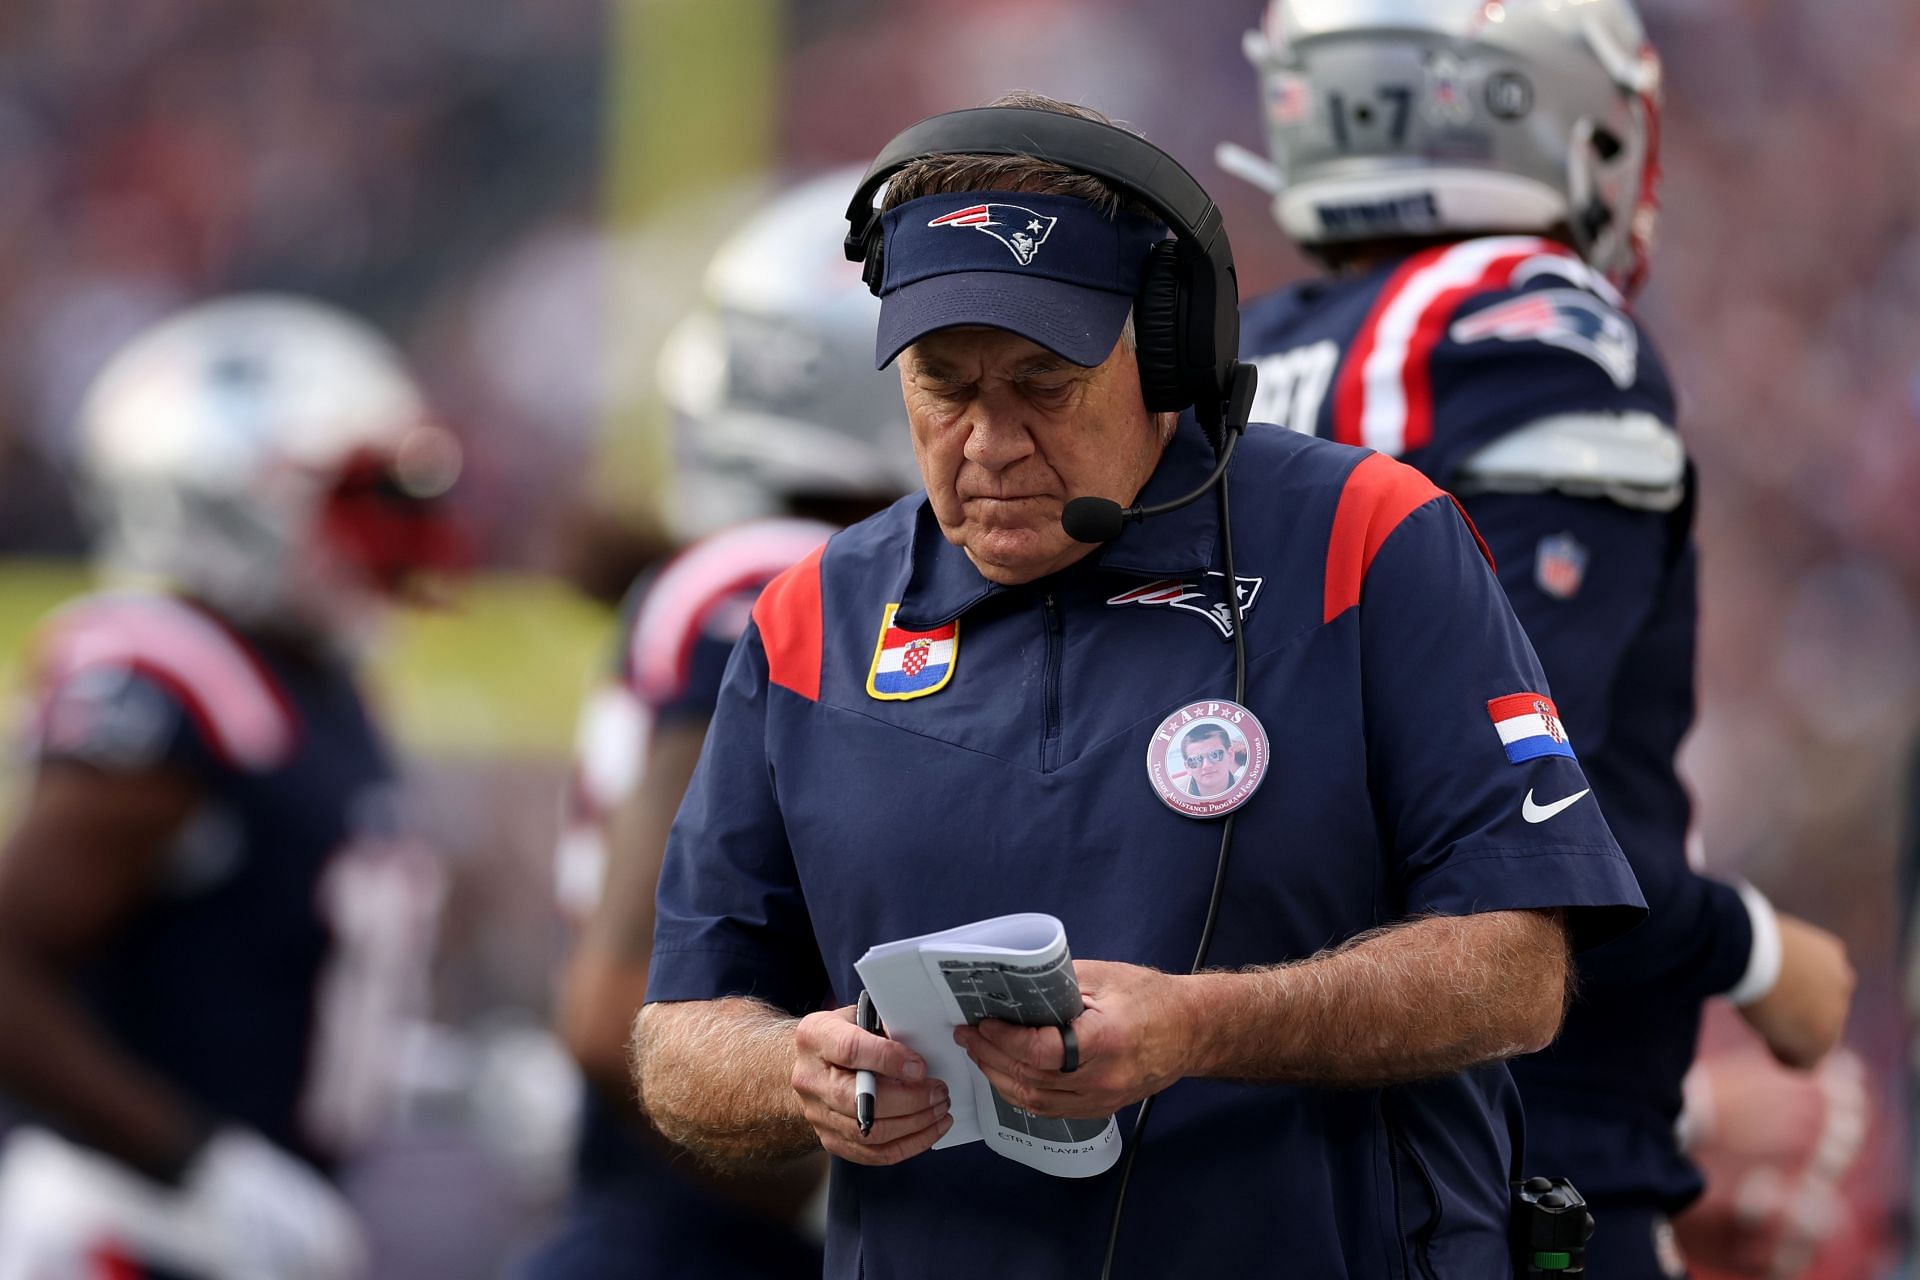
column 384, row 516
column 1390, row 119
column 234, row 451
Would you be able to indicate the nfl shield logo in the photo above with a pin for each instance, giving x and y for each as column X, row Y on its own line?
column 911, row 664
column 1559, row 565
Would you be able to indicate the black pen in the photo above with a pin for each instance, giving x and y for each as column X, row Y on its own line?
column 864, row 1086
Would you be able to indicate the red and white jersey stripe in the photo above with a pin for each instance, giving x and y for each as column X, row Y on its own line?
column 238, row 707
column 1383, row 398
column 686, row 598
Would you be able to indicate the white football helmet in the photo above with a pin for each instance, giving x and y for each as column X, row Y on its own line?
column 772, row 382
column 1391, row 118
column 272, row 457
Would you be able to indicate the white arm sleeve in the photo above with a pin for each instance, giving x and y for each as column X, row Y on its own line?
column 1763, row 961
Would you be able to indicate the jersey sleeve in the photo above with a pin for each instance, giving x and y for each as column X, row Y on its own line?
column 1480, row 793
column 1584, row 577
column 136, row 684
column 1594, row 585
column 671, row 655
column 1699, row 939
column 665, row 669
column 1547, row 351
column 114, row 719
column 683, row 621
column 731, row 919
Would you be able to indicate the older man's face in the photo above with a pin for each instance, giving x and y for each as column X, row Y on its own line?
column 1007, row 433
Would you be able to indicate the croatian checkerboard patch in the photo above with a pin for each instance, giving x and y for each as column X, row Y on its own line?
column 1529, row 727
column 911, row 664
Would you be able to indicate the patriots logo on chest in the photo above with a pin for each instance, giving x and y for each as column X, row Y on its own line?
column 1205, row 597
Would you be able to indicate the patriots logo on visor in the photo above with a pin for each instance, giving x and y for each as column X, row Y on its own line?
column 1022, row 230
column 1565, row 318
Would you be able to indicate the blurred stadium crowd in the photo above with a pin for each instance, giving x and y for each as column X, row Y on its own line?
column 442, row 169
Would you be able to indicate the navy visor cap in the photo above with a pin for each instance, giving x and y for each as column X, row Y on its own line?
column 1053, row 269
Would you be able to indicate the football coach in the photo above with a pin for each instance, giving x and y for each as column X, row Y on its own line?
column 958, row 710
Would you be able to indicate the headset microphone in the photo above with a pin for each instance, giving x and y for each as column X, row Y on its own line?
column 1102, row 519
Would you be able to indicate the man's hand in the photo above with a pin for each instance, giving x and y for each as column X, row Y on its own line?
column 909, row 1112
column 1133, row 1038
column 1803, row 1016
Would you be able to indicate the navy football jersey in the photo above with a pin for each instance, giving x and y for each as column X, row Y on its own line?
column 1506, row 369
column 264, row 974
column 677, row 628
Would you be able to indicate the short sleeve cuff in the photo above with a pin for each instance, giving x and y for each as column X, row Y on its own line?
column 1723, row 928
column 1763, row 958
column 1593, row 885
column 720, row 975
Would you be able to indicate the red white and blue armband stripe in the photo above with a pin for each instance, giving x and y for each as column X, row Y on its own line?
column 1529, row 727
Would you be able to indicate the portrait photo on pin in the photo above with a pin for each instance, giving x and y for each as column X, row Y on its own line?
column 1207, row 758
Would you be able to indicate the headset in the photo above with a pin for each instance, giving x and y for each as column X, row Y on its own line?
column 1187, row 337
column 1187, row 315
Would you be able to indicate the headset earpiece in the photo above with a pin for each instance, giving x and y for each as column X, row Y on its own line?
column 873, row 268
column 1187, row 314
column 1158, row 331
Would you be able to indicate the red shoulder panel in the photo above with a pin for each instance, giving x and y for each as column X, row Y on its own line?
column 788, row 615
column 1378, row 495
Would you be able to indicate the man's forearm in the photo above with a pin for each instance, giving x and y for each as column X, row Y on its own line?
column 55, row 1059
column 1421, row 999
column 716, row 1077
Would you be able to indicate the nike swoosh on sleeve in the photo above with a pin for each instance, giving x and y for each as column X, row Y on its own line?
column 1541, row 812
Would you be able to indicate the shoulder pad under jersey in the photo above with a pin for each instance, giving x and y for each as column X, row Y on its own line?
column 1634, row 459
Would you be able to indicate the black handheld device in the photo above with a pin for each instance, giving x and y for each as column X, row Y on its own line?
column 1551, row 1227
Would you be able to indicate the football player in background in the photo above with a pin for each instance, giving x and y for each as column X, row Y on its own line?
column 786, row 433
column 1478, row 182
column 210, row 922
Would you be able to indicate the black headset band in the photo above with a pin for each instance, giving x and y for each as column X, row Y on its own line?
column 1125, row 159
